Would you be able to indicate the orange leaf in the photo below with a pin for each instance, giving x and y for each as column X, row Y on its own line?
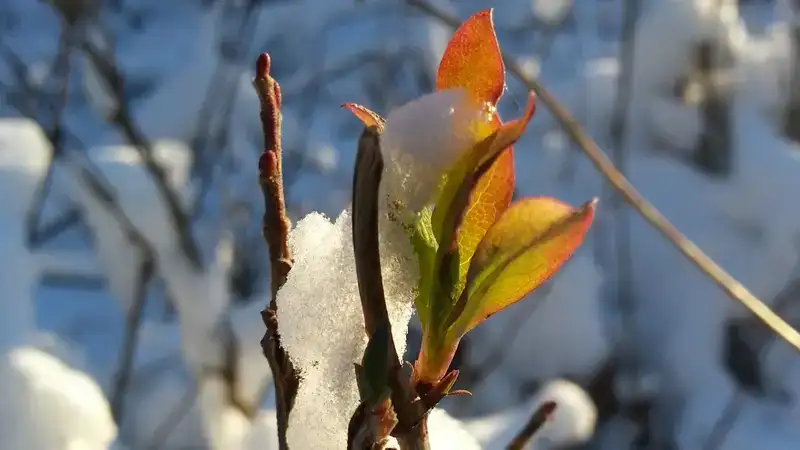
column 472, row 60
column 365, row 115
column 490, row 198
column 522, row 250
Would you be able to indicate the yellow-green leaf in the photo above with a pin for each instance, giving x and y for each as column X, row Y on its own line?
column 523, row 249
column 424, row 244
column 485, row 150
column 490, row 198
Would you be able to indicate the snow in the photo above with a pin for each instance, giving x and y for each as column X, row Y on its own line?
column 423, row 138
column 59, row 345
column 49, row 405
column 322, row 326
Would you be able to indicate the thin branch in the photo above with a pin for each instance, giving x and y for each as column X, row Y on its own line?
column 276, row 234
column 41, row 234
column 175, row 417
column 36, row 237
column 535, row 423
column 123, row 119
column 132, row 326
column 712, row 270
column 222, row 90
column 619, row 135
column 411, row 420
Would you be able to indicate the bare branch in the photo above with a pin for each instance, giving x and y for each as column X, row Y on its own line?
column 276, row 234
column 132, row 326
column 535, row 423
column 123, row 119
column 176, row 415
column 712, row 270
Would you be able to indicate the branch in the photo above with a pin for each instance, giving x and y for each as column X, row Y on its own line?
column 410, row 424
column 132, row 326
column 37, row 237
column 538, row 419
column 712, row 270
column 276, row 234
column 107, row 69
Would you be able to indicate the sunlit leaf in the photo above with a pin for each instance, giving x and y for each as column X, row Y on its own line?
column 472, row 60
column 448, row 213
column 489, row 199
column 366, row 116
column 523, row 249
column 424, row 244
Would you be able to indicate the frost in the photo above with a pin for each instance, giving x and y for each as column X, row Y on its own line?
column 322, row 326
column 423, row 138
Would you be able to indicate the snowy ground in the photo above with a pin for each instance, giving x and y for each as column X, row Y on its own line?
column 187, row 67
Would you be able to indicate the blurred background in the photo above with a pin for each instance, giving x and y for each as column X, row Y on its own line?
column 133, row 270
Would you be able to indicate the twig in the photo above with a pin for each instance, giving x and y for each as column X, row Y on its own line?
column 619, row 135
column 175, row 416
column 123, row 119
column 61, row 68
column 221, row 90
column 535, row 423
column 712, row 270
column 39, row 235
column 411, row 419
column 132, row 326
column 276, row 235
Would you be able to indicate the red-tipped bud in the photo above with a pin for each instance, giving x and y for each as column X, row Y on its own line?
column 263, row 65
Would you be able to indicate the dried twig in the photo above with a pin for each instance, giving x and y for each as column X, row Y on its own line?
column 535, row 423
column 276, row 234
column 712, row 270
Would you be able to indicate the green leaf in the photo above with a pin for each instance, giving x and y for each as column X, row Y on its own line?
column 523, row 249
column 424, row 244
column 374, row 373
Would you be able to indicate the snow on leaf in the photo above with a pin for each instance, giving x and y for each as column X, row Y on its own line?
column 472, row 60
column 365, row 115
column 526, row 246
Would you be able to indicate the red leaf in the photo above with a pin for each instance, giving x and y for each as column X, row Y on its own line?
column 472, row 60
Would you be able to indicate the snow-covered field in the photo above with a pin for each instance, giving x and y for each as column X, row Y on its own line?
column 93, row 358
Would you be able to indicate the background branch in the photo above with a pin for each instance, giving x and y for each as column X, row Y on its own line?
column 537, row 420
